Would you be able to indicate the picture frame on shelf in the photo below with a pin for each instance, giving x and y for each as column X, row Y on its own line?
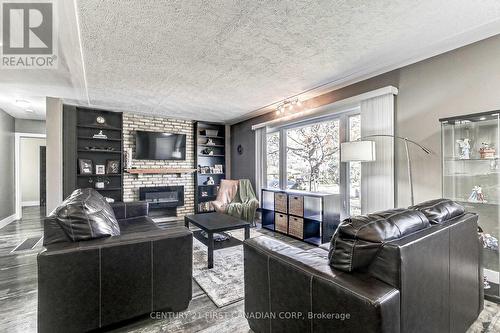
column 112, row 166
column 86, row 166
column 100, row 169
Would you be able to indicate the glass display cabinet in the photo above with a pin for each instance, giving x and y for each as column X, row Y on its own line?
column 471, row 174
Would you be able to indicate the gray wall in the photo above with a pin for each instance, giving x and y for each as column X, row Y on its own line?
column 54, row 155
column 7, row 198
column 30, row 126
column 243, row 166
column 458, row 82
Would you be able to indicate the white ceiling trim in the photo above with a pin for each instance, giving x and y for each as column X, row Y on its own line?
column 338, row 106
column 470, row 36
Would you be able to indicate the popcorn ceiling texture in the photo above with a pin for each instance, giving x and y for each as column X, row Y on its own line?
column 132, row 183
column 217, row 60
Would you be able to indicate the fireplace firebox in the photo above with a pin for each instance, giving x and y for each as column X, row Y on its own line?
column 162, row 200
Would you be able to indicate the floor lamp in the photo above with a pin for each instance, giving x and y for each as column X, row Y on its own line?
column 364, row 151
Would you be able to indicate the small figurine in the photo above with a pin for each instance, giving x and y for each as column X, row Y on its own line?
column 464, row 146
column 210, row 181
column 207, row 151
column 210, row 142
column 486, row 151
column 477, row 195
column 100, row 135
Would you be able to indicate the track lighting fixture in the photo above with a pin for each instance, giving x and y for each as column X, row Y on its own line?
column 287, row 104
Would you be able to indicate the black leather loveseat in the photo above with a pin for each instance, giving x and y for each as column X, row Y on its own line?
column 406, row 270
column 88, row 280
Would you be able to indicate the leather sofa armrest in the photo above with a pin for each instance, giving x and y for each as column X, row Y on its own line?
column 126, row 210
column 280, row 278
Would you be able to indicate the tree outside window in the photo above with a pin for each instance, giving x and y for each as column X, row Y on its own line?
column 354, row 169
column 273, row 160
column 313, row 157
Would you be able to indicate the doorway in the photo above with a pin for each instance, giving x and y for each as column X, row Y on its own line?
column 30, row 171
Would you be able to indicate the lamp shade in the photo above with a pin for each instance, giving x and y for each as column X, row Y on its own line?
column 357, row 151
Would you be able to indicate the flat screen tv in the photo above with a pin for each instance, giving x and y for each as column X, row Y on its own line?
column 159, row 146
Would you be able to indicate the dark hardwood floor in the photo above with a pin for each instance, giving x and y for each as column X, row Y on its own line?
column 18, row 292
column 18, row 274
column 18, row 289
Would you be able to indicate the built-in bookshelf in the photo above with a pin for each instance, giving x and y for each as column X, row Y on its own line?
column 93, row 151
column 210, row 160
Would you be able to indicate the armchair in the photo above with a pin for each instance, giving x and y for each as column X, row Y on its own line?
column 237, row 198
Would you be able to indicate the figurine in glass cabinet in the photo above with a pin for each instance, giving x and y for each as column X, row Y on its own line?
column 486, row 151
column 477, row 195
column 464, row 146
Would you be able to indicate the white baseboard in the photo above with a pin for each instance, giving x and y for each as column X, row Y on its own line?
column 7, row 220
column 30, row 203
column 492, row 276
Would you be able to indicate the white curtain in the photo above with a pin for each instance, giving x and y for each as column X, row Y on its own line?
column 260, row 160
column 377, row 178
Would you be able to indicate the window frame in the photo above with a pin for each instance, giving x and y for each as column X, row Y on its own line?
column 348, row 165
column 343, row 117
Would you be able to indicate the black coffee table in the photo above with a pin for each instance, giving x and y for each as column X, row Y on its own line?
column 217, row 223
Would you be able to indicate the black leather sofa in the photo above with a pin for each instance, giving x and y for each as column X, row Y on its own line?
column 90, row 284
column 415, row 270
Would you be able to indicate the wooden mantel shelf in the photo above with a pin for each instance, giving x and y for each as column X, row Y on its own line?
column 160, row 171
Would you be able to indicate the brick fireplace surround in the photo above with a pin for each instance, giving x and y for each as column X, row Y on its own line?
column 132, row 183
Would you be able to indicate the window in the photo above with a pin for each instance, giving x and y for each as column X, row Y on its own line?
column 312, row 157
column 273, row 160
column 354, row 175
column 306, row 156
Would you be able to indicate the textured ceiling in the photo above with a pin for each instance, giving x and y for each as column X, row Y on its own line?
column 219, row 60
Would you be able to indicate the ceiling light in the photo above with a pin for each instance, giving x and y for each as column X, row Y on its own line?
column 287, row 104
column 23, row 103
column 30, row 110
column 482, row 118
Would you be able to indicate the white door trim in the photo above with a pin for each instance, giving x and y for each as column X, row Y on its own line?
column 17, row 168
